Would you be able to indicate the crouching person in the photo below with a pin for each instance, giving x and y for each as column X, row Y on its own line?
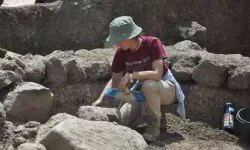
column 142, row 59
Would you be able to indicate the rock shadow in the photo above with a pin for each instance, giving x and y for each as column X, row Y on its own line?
column 165, row 137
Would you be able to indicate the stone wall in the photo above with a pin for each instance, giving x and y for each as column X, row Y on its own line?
column 73, row 25
column 210, row 80
column 77, row 78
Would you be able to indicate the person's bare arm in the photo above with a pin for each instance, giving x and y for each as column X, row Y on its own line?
column 155, row 74
column 113, row 83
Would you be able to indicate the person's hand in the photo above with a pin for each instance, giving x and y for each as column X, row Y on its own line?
column 124, row 82
column 98, row 102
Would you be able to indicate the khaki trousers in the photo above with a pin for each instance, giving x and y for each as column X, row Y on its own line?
column 157, row 93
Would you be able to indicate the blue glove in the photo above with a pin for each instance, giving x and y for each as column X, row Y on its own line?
column 125, row 96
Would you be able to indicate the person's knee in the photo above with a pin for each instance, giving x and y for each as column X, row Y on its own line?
column 149, row 85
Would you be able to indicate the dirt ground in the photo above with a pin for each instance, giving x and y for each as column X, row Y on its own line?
column 193, row 136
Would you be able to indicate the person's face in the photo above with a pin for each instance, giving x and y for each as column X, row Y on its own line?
column 125, row 44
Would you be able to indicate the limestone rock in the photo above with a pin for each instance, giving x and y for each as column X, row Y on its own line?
column 34, row 68
column 30, row 133
column 19, row 129
column 29, row 130
column 31, row 146
column 66, row 67
column 232, row 61
column 98, row 113
column 186, row 52
column 53, row 121
column 28, row 101
column 183, row 68
column 70, row 97
column 55, row 70
column 7, row 77
column 95, row 63
column 32, row 124
column 83, row 53
column 187, row 45
column 210, row 72
column 97, row 70
column 240, row 78
column 7, row 135
column 76, row 72
column 10, row 148
column 6, row 131
column 14, row 66
column 213, row 69
column 2, row 114
column 18, row 141
column 10, row 55
column 92, row 135
column 107, row 52
column 192, row 31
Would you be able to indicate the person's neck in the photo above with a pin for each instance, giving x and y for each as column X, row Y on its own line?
column 136, row 44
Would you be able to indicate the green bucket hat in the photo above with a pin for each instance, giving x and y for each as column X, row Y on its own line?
column 122, row 28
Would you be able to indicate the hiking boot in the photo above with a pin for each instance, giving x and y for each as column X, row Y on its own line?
column 152, row 129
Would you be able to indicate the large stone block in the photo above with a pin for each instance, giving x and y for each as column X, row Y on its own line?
column 240, row 78
column 92, row 135
column 211, row 73
column 28, row 102
column 98, row 113
column 53, row 121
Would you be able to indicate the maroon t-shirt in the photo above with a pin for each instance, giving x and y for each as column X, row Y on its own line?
column 150, row 50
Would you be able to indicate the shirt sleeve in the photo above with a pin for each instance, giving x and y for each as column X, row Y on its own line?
column 157, row 50
column 118, row 63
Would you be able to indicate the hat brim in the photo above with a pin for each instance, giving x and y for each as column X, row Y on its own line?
column 112, row 39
